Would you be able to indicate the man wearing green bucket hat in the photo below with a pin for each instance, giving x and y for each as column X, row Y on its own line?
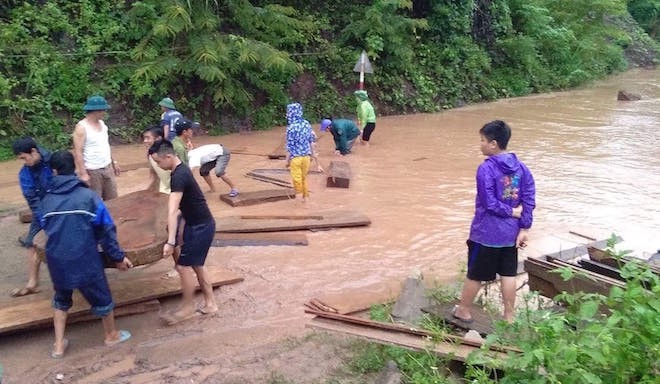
column 366, row 115
column 91, row 149
column 169, row 117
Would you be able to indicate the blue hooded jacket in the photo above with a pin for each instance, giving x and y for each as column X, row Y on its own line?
column 76, row 221
column 35, row 180
column 299, row 136
column 503, row 183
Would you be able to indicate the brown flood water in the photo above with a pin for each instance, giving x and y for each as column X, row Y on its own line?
column 596, row 162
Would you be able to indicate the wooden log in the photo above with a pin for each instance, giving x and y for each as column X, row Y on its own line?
column 134, row 286
column 339, row 174
column 258, row 239
column 141, row 220
column 335, row 219
column 258, row 197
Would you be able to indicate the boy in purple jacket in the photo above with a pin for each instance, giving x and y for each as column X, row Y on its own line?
column 503, row 215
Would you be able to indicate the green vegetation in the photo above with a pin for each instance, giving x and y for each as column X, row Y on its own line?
column 596, row 339
column 236, row 63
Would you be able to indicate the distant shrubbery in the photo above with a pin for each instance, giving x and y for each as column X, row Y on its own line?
column 236, row 63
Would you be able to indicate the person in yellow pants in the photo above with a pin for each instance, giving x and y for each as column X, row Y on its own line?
column 299, row 139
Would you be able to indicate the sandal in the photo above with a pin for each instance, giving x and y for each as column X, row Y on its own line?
column 123, row 336
column 18, row 292
column 233, row 193
column 453, row 314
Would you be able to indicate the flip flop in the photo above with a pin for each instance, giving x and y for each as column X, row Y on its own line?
column 171, row 318
column 205, row 311
column 56, row 355
column 18, row 292
column 123, row 336
column 453, row 314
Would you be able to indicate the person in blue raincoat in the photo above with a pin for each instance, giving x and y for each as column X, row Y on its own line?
column 76, row 221
column 34, row 178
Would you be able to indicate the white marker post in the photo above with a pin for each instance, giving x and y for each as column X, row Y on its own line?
column 363, row 66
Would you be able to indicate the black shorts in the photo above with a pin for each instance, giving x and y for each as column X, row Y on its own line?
column 485, row 262
column 197, row 240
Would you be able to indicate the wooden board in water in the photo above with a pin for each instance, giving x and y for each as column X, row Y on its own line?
column 258, row 197
column 258, row 239
column 35, row 310
column 335, row 219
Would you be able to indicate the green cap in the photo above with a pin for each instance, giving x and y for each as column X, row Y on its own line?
column 167, row 103
column 96, row 103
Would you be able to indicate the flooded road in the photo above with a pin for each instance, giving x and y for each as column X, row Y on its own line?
column 596, row 162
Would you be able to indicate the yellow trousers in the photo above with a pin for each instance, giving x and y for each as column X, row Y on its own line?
column 299, row 167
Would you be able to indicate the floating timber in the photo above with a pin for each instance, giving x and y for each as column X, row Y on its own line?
column 335, row 219
column 258, row 197
column 133, row 286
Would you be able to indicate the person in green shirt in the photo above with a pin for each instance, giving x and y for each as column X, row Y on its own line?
column 184, row 134
column 344, row 132
column 366, row 115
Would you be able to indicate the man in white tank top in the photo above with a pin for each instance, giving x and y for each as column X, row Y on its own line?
column 91, row 149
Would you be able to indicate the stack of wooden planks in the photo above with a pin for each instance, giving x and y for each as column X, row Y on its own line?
column 446, row 345
column 595, row 271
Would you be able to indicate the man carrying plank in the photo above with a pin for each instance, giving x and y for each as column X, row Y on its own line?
column 187, row 200
column 76, row 221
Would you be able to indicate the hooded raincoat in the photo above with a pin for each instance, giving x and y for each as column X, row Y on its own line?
column 299, row 136
column 76, row 221
column 503, row 182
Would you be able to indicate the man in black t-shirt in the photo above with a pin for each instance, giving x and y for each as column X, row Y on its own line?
column 187, row 200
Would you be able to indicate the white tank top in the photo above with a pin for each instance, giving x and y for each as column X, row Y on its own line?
column 96, row 151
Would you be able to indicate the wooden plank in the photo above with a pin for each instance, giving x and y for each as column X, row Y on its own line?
column 452, row 350
column 280, row 171
column 273, row 180
column 404, row 328
column 259, row 239
column 125, row 310
column 258, row 197
column 579, row 283
column 333, row 219
column 339, row 174
column 482, row 322
column 134, row 286
column 279, row 153
column 601, row 269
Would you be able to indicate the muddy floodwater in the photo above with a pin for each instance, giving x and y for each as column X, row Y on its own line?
column 596, row 162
